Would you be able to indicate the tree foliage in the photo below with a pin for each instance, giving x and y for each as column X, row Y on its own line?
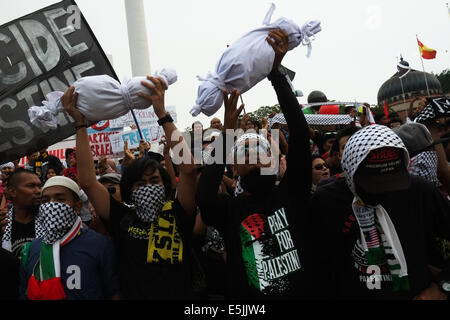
column 444, row 79
column 262, row 112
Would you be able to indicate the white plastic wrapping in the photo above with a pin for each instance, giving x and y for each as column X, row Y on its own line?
column 248, row 61
column 99, row 98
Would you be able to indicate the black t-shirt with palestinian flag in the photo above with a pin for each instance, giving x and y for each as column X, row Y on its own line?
column 266, row 234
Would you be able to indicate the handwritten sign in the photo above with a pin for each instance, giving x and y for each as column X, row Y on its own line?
column 145, row 117
column 47, row 50
column 151, row 134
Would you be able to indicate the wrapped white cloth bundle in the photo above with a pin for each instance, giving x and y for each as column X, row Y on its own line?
column 99, row 98
column 248, row 61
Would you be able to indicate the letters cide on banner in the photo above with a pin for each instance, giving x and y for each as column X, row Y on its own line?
column 47, row 50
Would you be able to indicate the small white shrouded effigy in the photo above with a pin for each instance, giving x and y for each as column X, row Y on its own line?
column 248, row 61
column 99, row 98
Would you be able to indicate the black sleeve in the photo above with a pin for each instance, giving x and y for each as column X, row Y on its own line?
column 213, row 206
column 439, row 233
column 297, row 179
column 9, row 266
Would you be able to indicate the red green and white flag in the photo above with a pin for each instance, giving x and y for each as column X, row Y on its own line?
column 45, row 282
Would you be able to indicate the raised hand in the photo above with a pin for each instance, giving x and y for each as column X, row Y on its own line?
column 69, row 102
column 157, row 87
column 231, row 110
column 279, row 40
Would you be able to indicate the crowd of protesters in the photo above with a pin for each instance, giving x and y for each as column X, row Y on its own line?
column 354, row 211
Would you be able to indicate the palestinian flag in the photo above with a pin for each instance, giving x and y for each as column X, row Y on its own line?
column 252, row 229
column 45, row 282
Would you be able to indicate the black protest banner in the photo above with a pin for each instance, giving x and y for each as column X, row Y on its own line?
column 47, row 50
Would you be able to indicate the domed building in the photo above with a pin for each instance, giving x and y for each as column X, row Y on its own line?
column 317, row 96
column 398, row 93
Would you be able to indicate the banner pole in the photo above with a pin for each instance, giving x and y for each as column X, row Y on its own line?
column 137, row 125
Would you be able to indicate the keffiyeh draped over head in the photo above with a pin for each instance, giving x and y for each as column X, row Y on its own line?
column 378, row 235
column 425, row 165
column 436, row 108
column 261, row 140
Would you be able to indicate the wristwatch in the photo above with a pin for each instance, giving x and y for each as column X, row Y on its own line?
column 166, row 118
column 445, row 286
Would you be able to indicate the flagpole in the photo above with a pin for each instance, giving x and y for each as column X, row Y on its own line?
column 401, row 84
column 423, row 67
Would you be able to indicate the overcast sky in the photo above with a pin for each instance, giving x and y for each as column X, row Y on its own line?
column 352, row 56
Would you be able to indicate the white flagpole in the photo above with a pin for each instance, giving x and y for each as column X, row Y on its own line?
column 401, row 84
column 423, row 67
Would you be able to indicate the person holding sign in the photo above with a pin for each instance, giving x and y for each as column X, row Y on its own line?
column 152, row 239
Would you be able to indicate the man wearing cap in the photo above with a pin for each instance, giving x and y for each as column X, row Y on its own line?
column 68, row 262
column 111, row 181
column 383, row 231
column 425, row 161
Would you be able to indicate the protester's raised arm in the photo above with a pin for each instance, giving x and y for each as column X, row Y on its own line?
column 213, row 206
column 187, row 182
column 98, row 195
column 299, row 155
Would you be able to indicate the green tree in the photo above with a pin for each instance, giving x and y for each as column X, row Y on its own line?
column 262, row 112
column 444, row 79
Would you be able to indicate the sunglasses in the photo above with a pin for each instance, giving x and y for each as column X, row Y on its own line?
column 320, row 166
column 245, row 150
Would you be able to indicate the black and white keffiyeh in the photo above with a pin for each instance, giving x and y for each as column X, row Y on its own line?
column 278, row 118
column 57, row 219
column 374, row 222
column 238, row 190
column 436, row 108
column 149, row 201
column 328, row 119
column 425, row 165
column 6, row 240
column 315, row 119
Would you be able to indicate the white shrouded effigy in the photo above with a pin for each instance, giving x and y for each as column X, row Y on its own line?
column 248, row 61
column 99, row 98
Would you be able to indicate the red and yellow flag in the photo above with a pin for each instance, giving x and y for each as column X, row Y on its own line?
column 427, row 53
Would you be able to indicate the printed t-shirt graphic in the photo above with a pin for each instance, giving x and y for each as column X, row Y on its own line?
column 164, row 241
column 268, row 252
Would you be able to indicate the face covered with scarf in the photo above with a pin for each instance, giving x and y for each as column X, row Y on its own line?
column 59, row 209
column 253, row 158
column 375, row 163
column 148, row 195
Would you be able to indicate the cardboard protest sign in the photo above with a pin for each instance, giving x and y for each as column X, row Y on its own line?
column 100, row 143
column 145, row 117
column 151, row 134
column 44, row 51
